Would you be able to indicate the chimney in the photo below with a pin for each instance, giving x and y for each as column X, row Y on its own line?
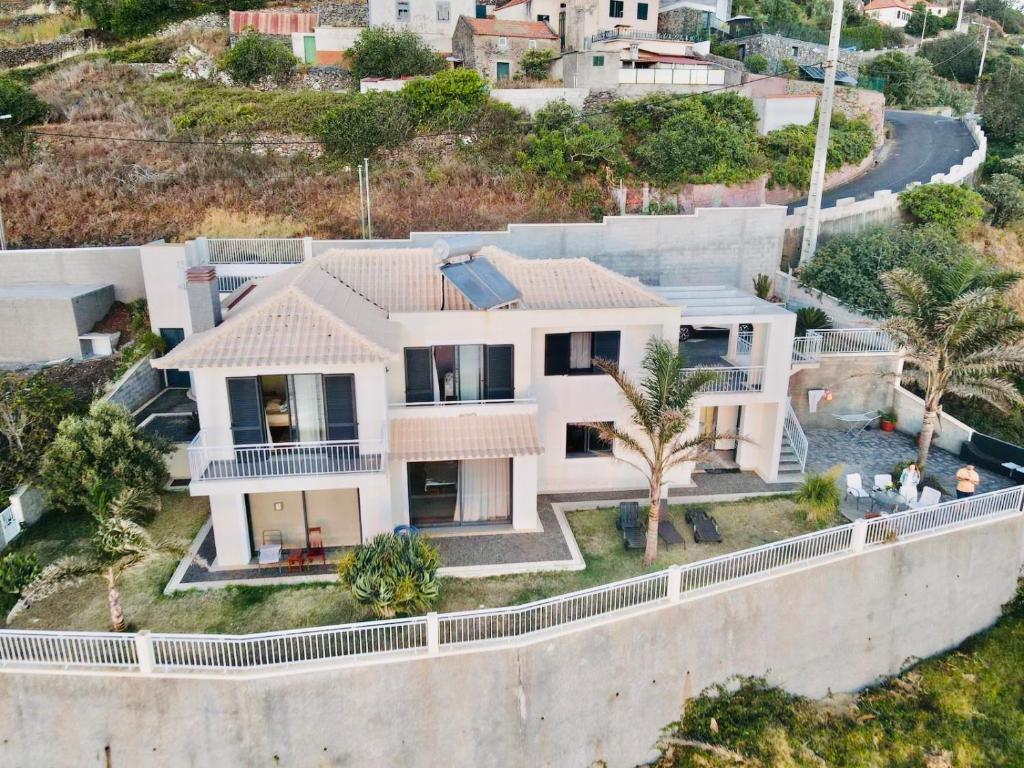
column 203, row 297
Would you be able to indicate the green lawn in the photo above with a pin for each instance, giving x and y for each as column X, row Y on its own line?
column 254, row 609
column 964, row 709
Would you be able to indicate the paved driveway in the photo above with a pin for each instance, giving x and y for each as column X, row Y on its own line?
column 922, row 145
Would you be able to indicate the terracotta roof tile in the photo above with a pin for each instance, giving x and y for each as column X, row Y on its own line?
column 463, row 436
column 509, row 28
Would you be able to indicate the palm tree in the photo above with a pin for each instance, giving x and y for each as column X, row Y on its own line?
column 661, row 406
column 960, row 335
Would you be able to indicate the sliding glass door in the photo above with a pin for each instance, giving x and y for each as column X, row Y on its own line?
column 458, row 373
column 292, row 408
column 460, row 492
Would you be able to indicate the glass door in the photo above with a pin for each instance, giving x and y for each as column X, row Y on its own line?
column 307, row 408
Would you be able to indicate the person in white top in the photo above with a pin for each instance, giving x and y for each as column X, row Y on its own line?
column 910, row 478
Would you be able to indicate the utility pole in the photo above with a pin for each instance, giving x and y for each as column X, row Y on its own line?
column 3, row 236
column 817, row 188
column 981, row 69
column 960, row 16
column 924, row 25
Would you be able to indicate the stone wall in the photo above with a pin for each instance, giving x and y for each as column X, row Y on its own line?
column 776, row 49
column 38, row 53
column 343, row 14
column 595, row 692
column 139, row 384
column 679, row 20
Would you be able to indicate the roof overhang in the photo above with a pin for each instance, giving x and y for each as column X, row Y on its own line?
column 463, row 436
column 714, row 304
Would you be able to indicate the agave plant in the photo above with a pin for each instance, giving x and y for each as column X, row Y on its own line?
column 392, row 575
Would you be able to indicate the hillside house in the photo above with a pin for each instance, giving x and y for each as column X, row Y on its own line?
column 494, row 47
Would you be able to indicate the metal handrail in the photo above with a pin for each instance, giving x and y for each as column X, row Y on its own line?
column 731, row 379
column 795, row 433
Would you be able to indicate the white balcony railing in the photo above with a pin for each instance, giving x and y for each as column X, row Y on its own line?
column 264, row 250
column 855, row 341
column 807, row 349
column 744, row 343
column 324, row 457
column 729, row 379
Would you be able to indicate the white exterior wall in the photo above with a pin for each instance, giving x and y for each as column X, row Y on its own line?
column 163, row 271
column 891, row 17
column 422, row 19
column 774, row 113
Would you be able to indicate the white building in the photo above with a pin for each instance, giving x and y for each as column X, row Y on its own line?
column 433, row 20
column 366, row 389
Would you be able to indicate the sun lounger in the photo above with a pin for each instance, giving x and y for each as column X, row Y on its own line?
column 633, row 536
column 666, row 530
column 705, row 529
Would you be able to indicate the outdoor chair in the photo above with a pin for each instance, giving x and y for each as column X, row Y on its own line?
column 929, row 497
column 855, row 423
column 855, row 488
column 882, row 482
column 705, row 527
column 666, row 531
column 315, row 550
column 629, row 523
column 270, row 550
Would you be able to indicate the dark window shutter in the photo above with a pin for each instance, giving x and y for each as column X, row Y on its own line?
column 340, row 406
column 606, row 346
column 556, row 354
column 419, row 386
column 246, row 411
column 499, row 384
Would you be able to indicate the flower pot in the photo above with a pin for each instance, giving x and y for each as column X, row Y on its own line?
column 887, row 426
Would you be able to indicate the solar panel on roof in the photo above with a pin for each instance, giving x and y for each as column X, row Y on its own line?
column 481, row 283
column 818, row 73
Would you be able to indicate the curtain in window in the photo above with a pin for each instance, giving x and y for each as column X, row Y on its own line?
column 579, row 351
column 484, row 491
column 307, row 407
column 471, row 371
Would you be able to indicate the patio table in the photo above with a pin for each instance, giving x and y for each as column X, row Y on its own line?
column 886, row 498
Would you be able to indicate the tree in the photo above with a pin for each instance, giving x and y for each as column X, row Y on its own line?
column 920, row 18
column 31, row 408
column 365, row 123
column 661, row 409
column 563, row 146
column 102, row 446
column 1010, row 18
column 956, row 57
column 908, row 79
column 25, row 109
column 255, row 57
column 535, row 63
column 951, row 206
column 388, row 52
column 448, row 101
column 1005, row 193
column 1002, row 101
column 960, row 335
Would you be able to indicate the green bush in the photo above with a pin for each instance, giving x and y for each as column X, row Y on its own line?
column 811, row 319
column 152, row 51
column 254, row 57
column 25, row 109
column 392, row 575
column 535, row 63
column 364, row 124
column 789, row 68
column 955, row 57
column 756, row 63
column 1009, row 16
column 725, row 50
column 762, row 285
column 448, row 101
column 568, row 153
column 790, row 150
column 951, row 206
column 556, row 115
column 908, row 79
column 102, row 446
column 31, row 408
column 135, row 18
column 388, row 52
column 819, row 494
column 1002, row 101
column 1005, row 193
column 17, row 571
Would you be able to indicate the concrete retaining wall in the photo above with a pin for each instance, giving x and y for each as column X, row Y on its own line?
column 532, row 99
column 28, row 504
column 139, row 384
column 713, row 246
column 798, row 296
column 950, row 433
column 600, row 692
column 859, row 383
column 120, row 266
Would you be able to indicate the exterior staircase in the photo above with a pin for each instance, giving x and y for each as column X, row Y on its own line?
column 793, row 452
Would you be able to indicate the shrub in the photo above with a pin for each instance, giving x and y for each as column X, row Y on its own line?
column 393, row 575
column 388, row 52
column 568, row 153
column 1002, row 102
column 364, row 124
column 535, row 63
column 17, row 571
column 135, row 18
column 448, row 101
column 255, row 57
column 24, row 107
column 811, row 319
column 820, row 495
column 154, row 51
column 1005, row 193
column 763, row 285
column 789, row 68
column 102, row 446
column 756, row 63
column 725, row 50
column 954, row 57
column 907, row 79
column 951, row 206
column 31, row 408
column 790, row 150
column 555, row 116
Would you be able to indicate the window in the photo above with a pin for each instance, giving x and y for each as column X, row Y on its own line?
column 402, row 10
column 597, row 61
column 481, row 10
column 444, row 11
column 532, row 45
column 460, row 492
column 795, row 51
column 568, row 354
column 584, row 441
column 543, row 17
column 452, row 373
column 287, row 408
column 616, row 8
column 641, row 11
column 502, row 43
column 741, row 51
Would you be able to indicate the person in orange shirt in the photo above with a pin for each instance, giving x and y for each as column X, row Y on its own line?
column 967, row 481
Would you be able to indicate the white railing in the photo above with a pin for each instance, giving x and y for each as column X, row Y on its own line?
column 795, row 435
column 855, row 341
column 729, row 379
column 231, row 283
column 807, row 349
column 267, row 250
column 744, row 343
column 433, row 633
column 9, row 526
column 284, row 459
column 526, row 401
column 696, row 75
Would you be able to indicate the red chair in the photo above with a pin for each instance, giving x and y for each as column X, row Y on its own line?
column 316, row 550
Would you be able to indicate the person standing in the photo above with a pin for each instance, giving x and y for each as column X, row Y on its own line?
column 910, row 478
column 967, row 481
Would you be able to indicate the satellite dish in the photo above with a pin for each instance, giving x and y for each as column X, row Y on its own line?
column 458, row 245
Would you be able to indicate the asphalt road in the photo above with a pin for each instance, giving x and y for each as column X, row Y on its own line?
column 922, row 145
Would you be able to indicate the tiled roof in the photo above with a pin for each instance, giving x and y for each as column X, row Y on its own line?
column 300, row 316
column 408, row 280
column 272, row 22
column 878, row 5
column 509, row 28
column 465, row 436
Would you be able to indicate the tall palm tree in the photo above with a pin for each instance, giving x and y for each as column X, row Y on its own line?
column 960, row 335
column 661, row 405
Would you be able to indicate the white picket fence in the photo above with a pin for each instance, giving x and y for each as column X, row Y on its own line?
column 434, row 633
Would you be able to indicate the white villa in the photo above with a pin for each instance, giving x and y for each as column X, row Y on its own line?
column 361, row 390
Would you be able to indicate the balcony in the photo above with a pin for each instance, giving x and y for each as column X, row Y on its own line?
column 326, row 457
column 624, row 33
column 731, row 379
column 842, row 341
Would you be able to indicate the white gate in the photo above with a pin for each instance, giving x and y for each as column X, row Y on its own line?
column 9, row 526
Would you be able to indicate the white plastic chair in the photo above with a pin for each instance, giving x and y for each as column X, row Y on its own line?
column 929, row 498
column 882, row 482
column 855, row 487
column 270, row 551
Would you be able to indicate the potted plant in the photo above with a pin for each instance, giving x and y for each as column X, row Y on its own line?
column 887, row 421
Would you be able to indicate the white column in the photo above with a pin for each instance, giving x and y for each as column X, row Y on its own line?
column 524, row 493
column 231, row 529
